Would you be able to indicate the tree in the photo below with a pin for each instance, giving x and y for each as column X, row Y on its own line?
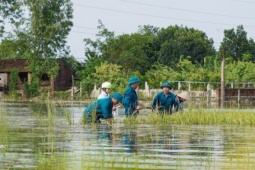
column 160, row 73
column 95, row 48
column 86, row 74
column 15, row 47
column 50, row 23
column 112, row 73
column 10, row 11
column 240, row 72
column 129, row 51
column 235, row 44
column 173, row 42
column 148, row 30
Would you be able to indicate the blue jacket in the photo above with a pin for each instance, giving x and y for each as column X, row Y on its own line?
column 165, row 103
column 130, row 101
column 102, row 108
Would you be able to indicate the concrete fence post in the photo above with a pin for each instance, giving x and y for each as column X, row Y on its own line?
column 147, row 90
column 179, row 86
column 238, row 98
column 208, row 95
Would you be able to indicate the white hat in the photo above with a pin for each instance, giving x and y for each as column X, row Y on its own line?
column 185, row 95
column 107, row 85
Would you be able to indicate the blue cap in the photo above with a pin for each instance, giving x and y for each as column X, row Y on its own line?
column 133, row 80
column 166, row 84
column 117, row 96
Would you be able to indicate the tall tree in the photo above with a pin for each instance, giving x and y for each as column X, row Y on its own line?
column 235, row 43
column 50, row 24
column 129, row 51
column 173, row 42
column 95, row 48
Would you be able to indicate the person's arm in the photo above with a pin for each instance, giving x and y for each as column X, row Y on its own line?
column 154, row 102
column 129, row 103
column 176, row 104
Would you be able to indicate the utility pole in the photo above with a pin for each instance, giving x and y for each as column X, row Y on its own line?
column 222, row 91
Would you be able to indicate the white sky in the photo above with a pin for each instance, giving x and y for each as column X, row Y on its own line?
column 124, row 16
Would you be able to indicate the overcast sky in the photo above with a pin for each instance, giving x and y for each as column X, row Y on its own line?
column 125, row 16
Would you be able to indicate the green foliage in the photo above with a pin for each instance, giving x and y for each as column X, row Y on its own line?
column 240, row 72
column 174, row 41
column 129, row 51
column 192, row 73
column 148, row 30
column 10, row 11
column 87, row 85
column 49, row 66
column 14, row 75
column 160, row 73
column 49, row 26
column 87, row 80
column 95, row 48
column 235, row 44
column 13, row 83
column 89, row 67
column 9, row 49
column 62, row 95
column 32, row 89
column 17, row 46
column 211, row 63
column 112, row 73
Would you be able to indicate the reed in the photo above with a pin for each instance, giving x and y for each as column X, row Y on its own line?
column 198, row 117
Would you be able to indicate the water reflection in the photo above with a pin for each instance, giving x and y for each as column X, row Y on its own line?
column 130, row 141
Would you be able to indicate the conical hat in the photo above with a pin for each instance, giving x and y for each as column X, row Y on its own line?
column 185, row 95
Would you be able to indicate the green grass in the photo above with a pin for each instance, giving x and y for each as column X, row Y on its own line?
column 198, row 117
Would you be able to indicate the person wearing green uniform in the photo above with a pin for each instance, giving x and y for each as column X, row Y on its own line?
column 164, row 101
column 130, row 100
column 102, row 109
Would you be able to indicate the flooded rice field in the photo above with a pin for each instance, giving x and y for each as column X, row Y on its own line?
column 45, row 136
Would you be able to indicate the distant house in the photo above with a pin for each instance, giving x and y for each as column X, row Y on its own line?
column 62, row 82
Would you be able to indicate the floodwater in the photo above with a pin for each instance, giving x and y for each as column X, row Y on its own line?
column 34, row 137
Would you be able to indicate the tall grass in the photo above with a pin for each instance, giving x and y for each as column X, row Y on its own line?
column 198, row 117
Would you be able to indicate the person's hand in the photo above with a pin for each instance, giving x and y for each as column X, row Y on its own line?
column 114, row 108
column 138, row 107
column 109, row 121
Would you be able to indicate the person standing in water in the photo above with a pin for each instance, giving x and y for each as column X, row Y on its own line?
column 182, row 97
column 164, row 101
column 102, row 109
column 106, row 90
column 130, row 100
